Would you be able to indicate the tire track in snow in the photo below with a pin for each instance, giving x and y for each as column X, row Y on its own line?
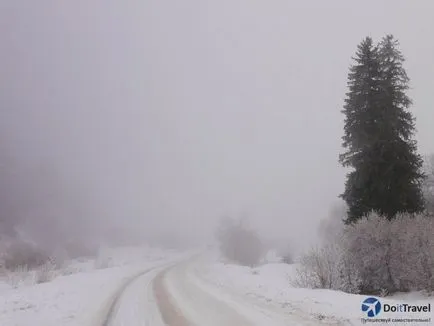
column 112, row 306
column 134, row 302
column 189, row 305
column 207, row 305
column 174, row 295
column 170, row 314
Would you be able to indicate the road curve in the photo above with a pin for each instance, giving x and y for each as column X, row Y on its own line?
column 176, row 295
column 183, row 303
column 134, row 303
column 170, row 313
column 114, row 304
column 185, row 298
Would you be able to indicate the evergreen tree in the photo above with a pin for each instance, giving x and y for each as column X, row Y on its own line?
column 386, row 175
column 361, row 102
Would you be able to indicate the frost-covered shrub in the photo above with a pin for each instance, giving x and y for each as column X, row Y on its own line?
column 374, row 256
column 59, row 258
column 395, row 255
column 370, row 249
column 414, row 252
column 390, row 256
column 317, row 269
column 23, row 276
column 239, row 243
column 327, row 267
column 45, row 273
column 20, row 254
column 428, row 184
column 18, row 276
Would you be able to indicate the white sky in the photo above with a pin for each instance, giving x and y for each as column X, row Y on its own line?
column 170, row 114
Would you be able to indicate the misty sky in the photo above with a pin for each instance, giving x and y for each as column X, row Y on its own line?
column 167, row 115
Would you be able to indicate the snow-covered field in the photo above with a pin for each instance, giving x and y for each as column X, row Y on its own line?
column 271, row 284
column 203, row 289
column 81, row 298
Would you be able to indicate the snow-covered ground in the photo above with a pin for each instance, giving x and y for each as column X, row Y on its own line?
column 200, row 290
column 271, row 284
column 79, row 299
column 203, row 303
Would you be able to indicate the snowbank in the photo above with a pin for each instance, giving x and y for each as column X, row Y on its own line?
column 271, row 283
column 76, row 299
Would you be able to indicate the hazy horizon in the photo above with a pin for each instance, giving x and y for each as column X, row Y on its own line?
column 159, row 118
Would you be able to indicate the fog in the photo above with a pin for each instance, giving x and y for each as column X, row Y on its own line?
column 151, row 119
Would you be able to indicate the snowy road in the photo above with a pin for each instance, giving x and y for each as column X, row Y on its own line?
column 135, row 303
column 176, row 295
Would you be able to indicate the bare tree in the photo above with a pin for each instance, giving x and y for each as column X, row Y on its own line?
column 239, row 242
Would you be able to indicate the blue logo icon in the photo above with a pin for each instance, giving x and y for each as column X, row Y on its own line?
column 372, row 306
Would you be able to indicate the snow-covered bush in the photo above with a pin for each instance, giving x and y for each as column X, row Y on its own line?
column 395, row 255
column 23, row 276
column 370, row 249
column 18, row 276
column 428, row 184
column 374, row 256
column 349, row 279
column 20, row 254
column 414, row 252
column 45, row 273
column 239, row 243
column 319, row 268
column 329, row 265
column 59, row 258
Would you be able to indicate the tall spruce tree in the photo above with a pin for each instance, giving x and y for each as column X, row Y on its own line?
column 378, row 132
